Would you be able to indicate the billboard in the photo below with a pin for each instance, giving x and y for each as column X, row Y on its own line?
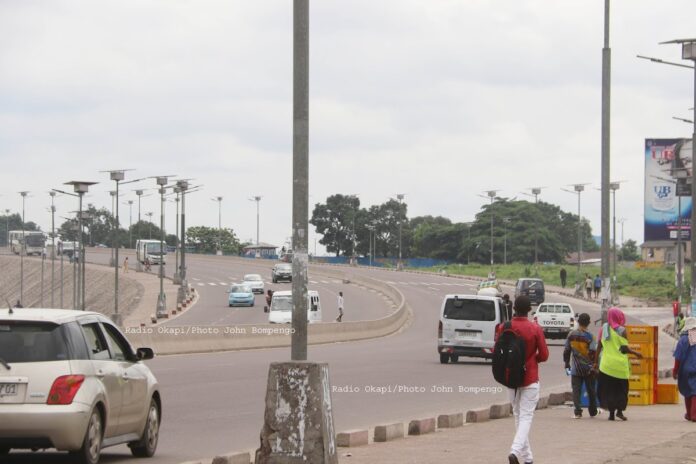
column 668, row 165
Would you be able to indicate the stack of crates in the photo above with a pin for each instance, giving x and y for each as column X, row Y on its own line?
column 642, row 384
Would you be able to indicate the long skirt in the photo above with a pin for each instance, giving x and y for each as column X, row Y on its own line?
column 613, row 392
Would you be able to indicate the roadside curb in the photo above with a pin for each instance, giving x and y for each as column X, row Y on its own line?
column 385, row 433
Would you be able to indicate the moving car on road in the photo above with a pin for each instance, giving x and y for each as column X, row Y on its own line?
column 240, row 295
column 254, row 282
column 467, row 326
column 533, row 288
column 280, row 311
column 70, row 380
column 281, row 271
column 555, row 319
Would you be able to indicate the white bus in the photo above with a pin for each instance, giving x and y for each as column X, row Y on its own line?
column 151, row 250
column 34, row 241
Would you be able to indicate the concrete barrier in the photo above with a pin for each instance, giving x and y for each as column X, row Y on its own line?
column 478, row 415
column 389, row 432
column 421, row 426
column 556, row 399
column 352, row 438
column 450, row 421
column 204, row 339
column 500, row 411
column 543, row 402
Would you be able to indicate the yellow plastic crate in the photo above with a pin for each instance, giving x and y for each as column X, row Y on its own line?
column 667, row 393
column 642, row 366
column 641, row 382
column 646, row 349
column 641, row 397
column 640, row 333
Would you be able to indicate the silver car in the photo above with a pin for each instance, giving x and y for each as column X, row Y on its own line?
column 70, row 380
column 254, row 282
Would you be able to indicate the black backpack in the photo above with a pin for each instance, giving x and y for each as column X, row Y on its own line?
column 509, row 358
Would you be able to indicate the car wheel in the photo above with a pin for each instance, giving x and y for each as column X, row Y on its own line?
column 454, row 358
column 147, row 445
column 230, row 305
column 444, row 358
column 91, row 446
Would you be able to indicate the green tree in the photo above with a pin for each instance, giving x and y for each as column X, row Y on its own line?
column 206, row 239
column 334, row 220
column 629, row 251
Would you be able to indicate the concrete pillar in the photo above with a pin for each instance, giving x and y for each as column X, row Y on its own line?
column 298, row 423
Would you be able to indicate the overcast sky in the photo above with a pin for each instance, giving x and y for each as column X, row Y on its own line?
column 439, row 100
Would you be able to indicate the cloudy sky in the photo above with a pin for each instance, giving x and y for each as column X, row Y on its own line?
column 440, row 100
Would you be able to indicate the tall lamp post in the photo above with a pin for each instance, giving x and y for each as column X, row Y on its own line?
column 536, row 191
column 606, row 163
column 689, row 53
column 130, row 223
column 491, row 194
column 182, row 185
column 257, row 199
column 506, row 221
column 81, row 187
column 614, row 186
column 53, row 246
column 7, row 228
column 112, row 261
column 578, row 189
column 162, row 299
column 219, row 202
column 22, row 251
column 400, row 197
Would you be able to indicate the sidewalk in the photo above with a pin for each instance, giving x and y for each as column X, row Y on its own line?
column 653, row 434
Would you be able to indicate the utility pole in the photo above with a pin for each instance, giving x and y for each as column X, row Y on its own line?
column 606, row 163
column 219, row 201
column 162, row 299
column 506, row 220
column 177, row 278
column 53, row 247
column 491, row 194
column 577, row 190
column 130, row 224
column 400, row 197
column 181, row 295
column 22, row 251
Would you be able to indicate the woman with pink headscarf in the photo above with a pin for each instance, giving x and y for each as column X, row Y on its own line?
column 614, row 366
column 685, row 367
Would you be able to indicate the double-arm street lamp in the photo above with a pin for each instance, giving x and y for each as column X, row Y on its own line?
column 81, row 187
column 257, row 199
column 577, row 190
column 219, row 202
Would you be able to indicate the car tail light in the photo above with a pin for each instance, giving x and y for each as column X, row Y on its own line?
column 439, row 329
column 64, row 389
column 535, row 319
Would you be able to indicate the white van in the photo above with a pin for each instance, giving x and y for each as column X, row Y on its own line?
column 467, row 326
column 151, row 250
column 280, row 311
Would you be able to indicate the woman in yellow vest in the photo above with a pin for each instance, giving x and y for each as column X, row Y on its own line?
column 614, row 366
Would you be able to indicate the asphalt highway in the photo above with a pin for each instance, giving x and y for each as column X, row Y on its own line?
column 214, row 403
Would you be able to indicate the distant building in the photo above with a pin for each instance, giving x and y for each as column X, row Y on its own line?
column 664, row 251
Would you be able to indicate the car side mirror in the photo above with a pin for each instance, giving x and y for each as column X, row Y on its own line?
column 265, row 309
column 144, row 354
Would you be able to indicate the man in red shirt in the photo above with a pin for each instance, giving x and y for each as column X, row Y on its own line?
column 524, row 399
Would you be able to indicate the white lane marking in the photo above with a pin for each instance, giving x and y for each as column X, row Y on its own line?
column 223, row 283
column 313, row 282
column 433, row 289
column 324, row 282
column 212, row 283
column 391, row 283
column 201, row 284
column 195, row 278
column 336, row 282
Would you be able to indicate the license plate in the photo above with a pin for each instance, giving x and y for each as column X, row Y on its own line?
column 9, row 389
column 553, row 330
column 467, row 334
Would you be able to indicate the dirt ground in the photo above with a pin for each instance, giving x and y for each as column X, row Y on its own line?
column 99, row 286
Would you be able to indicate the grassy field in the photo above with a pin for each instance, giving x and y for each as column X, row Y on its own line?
column 653, row 284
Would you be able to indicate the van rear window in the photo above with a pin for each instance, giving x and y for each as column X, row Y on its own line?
column 535, row 284
column 469, row 310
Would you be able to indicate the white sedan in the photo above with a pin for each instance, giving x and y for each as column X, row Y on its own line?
column 254, row 282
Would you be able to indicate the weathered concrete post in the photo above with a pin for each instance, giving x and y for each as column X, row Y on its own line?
column 298, row 423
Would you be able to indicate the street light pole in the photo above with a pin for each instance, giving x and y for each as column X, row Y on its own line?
column 506, row 220
column 116, row 176
column 491, row 195
column 614, row 186
column 22, row 252
column 112, row 261
column 606, row 164
column 400, row 197
column 162, row 299
column 130, row 223
column 257, row 199
column 182, row 293
column 81, row 188
column 53, row 246
column 219, row 201
column 176, row 279
column 578, row 189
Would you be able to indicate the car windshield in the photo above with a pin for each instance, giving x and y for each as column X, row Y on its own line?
column 252, row 277
column 281, row 303
column 22, row 342
column 153, row 248
column 284, row 268
column 469, row 310
column 239, row 289
column 533, row 284
column 556, row 309
column 35, row 240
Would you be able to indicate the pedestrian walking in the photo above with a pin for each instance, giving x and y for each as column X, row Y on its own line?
column 147, row 264
column 588, row 286
column 525, row 397
column 597, row 286
column 269, row 297
column 125, row 265
column 340, row 307
column 614, row 366
column 579, row 358
column 507, row 304
column 685, row 367
column 564, row 277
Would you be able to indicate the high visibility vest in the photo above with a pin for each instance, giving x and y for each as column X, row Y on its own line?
column 614, row 362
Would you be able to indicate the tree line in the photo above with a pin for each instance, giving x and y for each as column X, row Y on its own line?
column 518, row 228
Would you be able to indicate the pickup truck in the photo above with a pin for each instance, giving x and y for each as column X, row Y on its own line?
column 555, row 319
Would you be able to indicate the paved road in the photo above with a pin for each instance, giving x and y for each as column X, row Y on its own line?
column 214, row 402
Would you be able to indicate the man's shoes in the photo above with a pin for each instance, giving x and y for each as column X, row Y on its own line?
column 621, row 416
column 512, row 459
column 577, row 416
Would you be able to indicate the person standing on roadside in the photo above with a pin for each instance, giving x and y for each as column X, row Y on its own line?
column 614, row 365
column 525, row 398
column 269, row 297
column 340, row 307
column 580, row 349
column 564, row 277
column 588, row 286
column 507, row 304
column 125, row 265
column 597, row 286
column 685, row 367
